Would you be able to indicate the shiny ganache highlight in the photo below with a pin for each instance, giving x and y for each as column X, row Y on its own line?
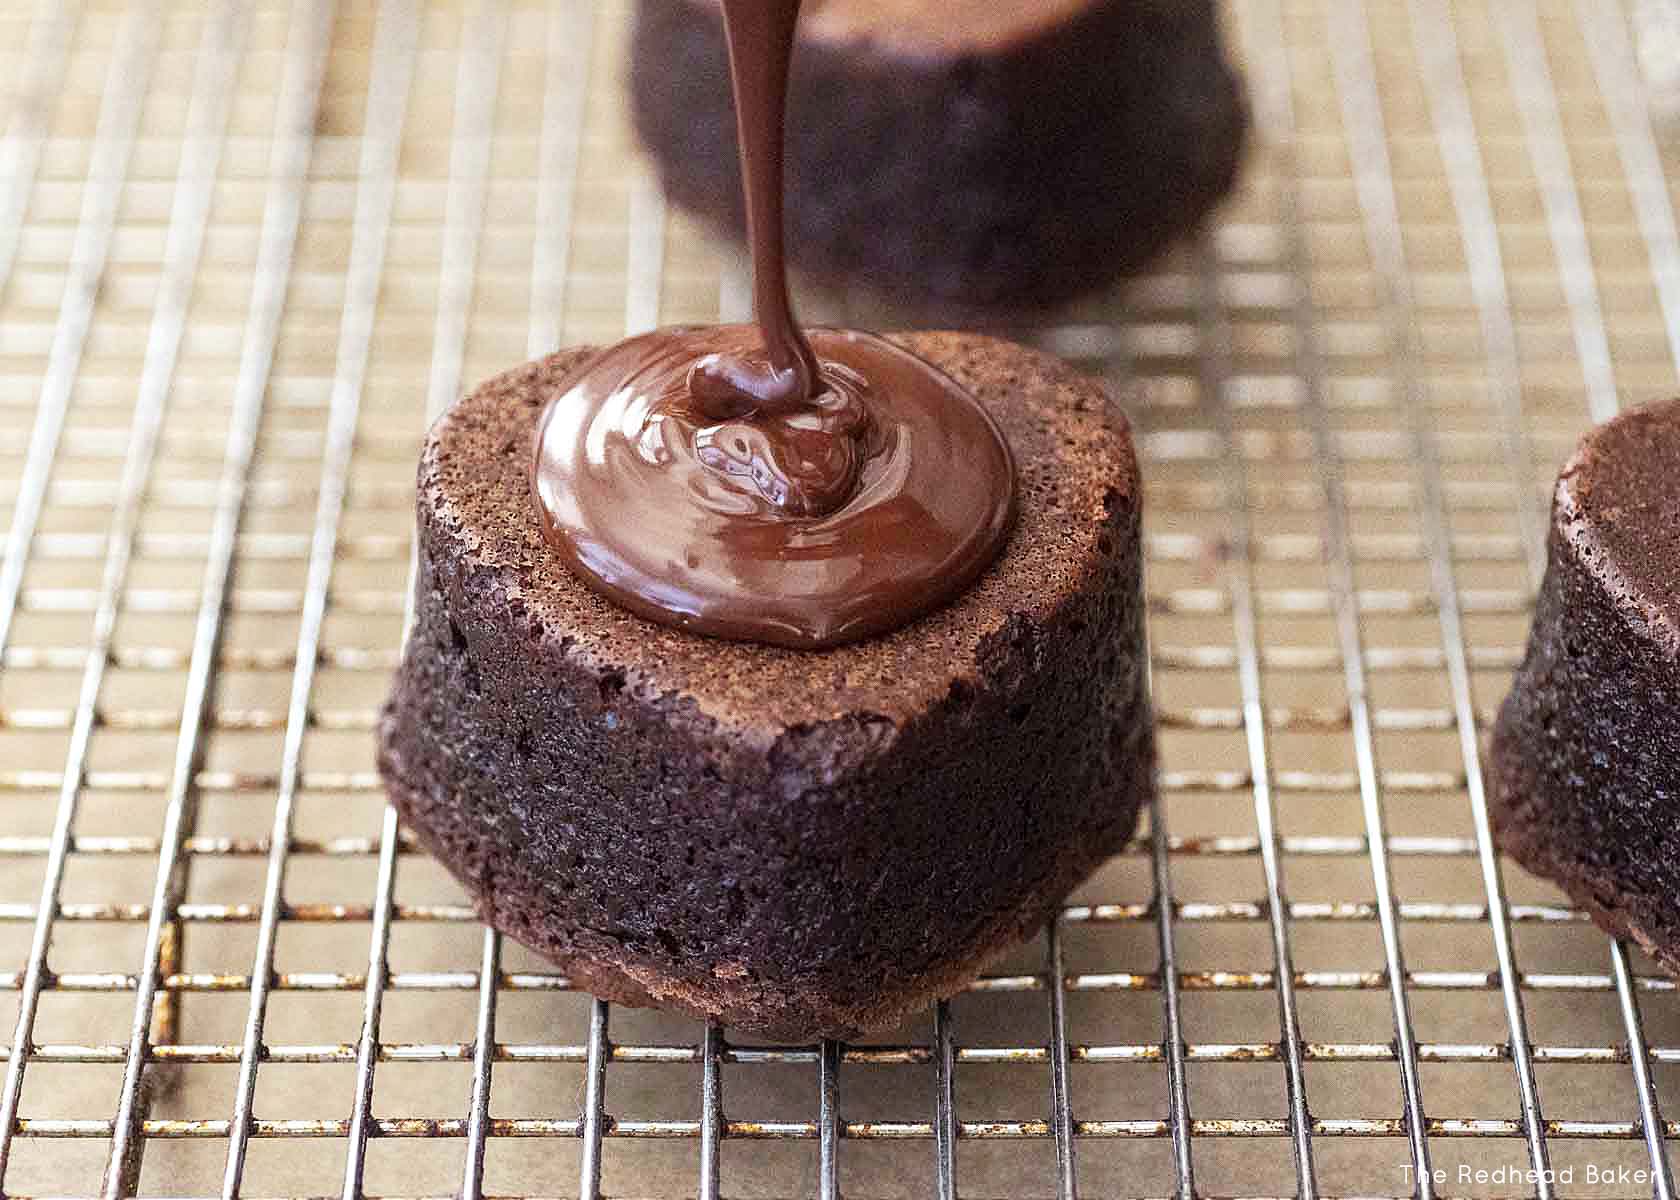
column 753, row 482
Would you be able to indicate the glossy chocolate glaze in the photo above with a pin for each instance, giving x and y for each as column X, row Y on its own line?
column 632, row 498
column 751, row 482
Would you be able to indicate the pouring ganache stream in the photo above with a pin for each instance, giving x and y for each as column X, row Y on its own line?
column 763, row 482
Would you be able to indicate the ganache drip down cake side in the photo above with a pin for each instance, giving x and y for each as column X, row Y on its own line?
column 1584, row 776
column 799, row 843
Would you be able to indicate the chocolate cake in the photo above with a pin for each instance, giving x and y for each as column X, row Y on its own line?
column 800, row 843
column 1584, row 781
column 969, row 155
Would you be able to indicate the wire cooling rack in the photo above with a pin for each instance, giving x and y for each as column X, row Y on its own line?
column 246, row 247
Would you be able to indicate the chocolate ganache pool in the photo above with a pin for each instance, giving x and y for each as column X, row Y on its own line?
column 763, row 482
column 874, row 503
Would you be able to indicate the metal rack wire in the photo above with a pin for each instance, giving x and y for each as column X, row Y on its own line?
column 245, row 249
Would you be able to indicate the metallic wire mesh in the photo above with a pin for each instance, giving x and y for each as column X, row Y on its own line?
column 246, row 247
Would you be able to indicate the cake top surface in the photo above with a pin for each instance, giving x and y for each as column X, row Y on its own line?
column 1618, row 503
column 1073, row 450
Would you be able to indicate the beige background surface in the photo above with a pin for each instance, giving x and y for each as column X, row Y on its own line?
column 1538, row 283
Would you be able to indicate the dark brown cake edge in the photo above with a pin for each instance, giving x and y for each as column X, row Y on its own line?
column 618, row 977
column 1524, row 843
column 1568, row 797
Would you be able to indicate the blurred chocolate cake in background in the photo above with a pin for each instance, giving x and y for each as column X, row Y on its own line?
column 971, row 156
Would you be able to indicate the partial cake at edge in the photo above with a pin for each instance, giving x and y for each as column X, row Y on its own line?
column 1003, row 155
column 1584, row 775
column 799, row 843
